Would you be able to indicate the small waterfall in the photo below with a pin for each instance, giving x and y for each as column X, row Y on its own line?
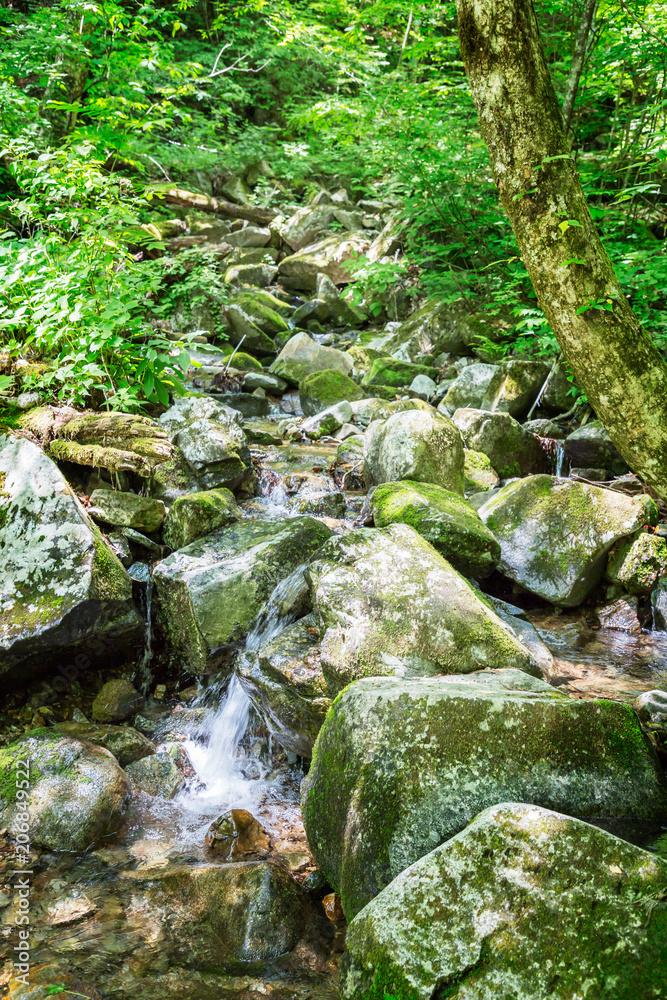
column 560, row 458
column 555, row 452
column 144, row 668
column 280, row 610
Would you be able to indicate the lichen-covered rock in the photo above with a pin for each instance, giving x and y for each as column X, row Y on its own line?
column 389, row 604
column 61, row 587
column 124, row 742
column 512, row 450
column 327, row 421
column 515, row 386
column 469, row 388
column 591, row 447
column 285, row 682
column 75, row 793
column 328, row 256
column 637, row 564
column 157, row 775
column 301, row 356
column 555, row 533
column 320, row 390
column 306, row 225
column 402, row 765
column 126, row 510
column 242, row 329
column 211, row 440
column 261, row 273
column 383, row 409
column 444, row 519
column 211, row 591
column 523, row 903
column 198, row 514
column 118, row 700
column 435, row 327
column 262, row 309
column 417, row 445
column 478, row 472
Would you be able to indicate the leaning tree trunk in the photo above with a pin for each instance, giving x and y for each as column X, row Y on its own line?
column 613, row 358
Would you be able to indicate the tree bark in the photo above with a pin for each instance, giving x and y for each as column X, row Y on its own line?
column 578, row 59
column 613, row 358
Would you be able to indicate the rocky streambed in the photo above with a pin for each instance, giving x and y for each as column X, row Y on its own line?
column 343, row 675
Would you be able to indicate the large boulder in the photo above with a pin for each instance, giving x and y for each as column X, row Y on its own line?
column 555, row 533
column 394, row 373
column 285, row 682
column 329, row 256
column 389, row 604
column 511, row 450
column 638, row 564
column 444, row 519
column 126, row 510
column 306, row 225
column 438, row 327
column 525, row 902
column 75, row 794
column 417, row 445
column 590, row 447
column 118, row 700
column 61, row 587
column 402, row 765
column 211, row 591
column 198, row 514
column 320, row 390
column 301, row 356
column 469, row 389
column 211, row 440
column 515, row 386
column 124, row 742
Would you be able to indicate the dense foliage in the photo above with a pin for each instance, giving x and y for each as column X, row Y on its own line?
column 98, row 101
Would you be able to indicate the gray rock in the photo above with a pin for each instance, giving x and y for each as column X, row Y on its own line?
column 243, row 329
column 327, row 421
column 555, row 533
column 651, row 706
column 198, row 514
column 27, row 401
column 515, row 386
column 402, row 765
column 285, row 682
column 124, row 742
column 324, row 389
column 328, row 256
column 364, row 409
column 61, row 588
column 211, row 441
column 545, row 428
column 260, row 274
column 250, row 236
column 469, row 389
column 636, row 565
column 126, row 510
column 157, row 775
column 437, row 327
column 306, row 225
column 478, row 472
column 264, row 380
column 301, row 356
column 591, row 447
column 120, row 547
column 146, row 545
column 511, row 450
column 659, row 605
column 423, row 386
column 211, row 591
column 524, row 902
column 414, row 445
column 247, row 404
column 527, row 633
column 118, row 700
column 389, row 604
column 340, row 311
column 77, row 792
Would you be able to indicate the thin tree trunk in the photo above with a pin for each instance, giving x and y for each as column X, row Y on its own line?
column 578, row 59
column 612, row 357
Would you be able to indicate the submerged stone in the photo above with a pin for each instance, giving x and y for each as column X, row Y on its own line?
column 524, row 902
column 402, row 765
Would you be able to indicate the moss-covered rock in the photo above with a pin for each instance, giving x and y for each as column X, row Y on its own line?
column 469, row 388
column 389, row 604
column 417, row 445
column 637, row 564
column 515, row 386
column 301, row 356
column 285, row 682
column 118, row 700
column 444, row 519
column 156, row 775
column 243, row 362
column 555, row 533
column 400, row 766
column 394, row 373
column 126, row 510
column 329, row 256
column 198, row 514
column 75, row 792
column 382, row 411
column 523, row 903
column 478, row 472
column 62, row 589
column 211, row 440
column 124, row 742
column 320, row 390
column 438, row 326
column 211, row 591
column 511, row 450
column 258, row 311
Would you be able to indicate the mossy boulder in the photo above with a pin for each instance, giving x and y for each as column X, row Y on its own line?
column 435, row 327
column 469, row 388
column 444, row 519
column 525, row 902
column 515, row 386
column 329, row 256
column 301, row 356
column 211, row 440
column 76, row 793
column 211, row 591
column 252, row 307
column 320, row 390
column 124, row 742
column 198, row 514
column 402, row 765
column 126, row 510
column 511, row 450
column 389, row 604
column 118, row 700
column 351, row 450
column 62, row 590
column 156, row 775
column 417, row 445
column 242, row 329
column 243, row 362
column 382, row 411
column 478, row 472
column 394, row 373
column 555, row 533
column 285, row 682
column 637, row 564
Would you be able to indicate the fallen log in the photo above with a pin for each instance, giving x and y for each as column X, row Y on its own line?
column 216, row 206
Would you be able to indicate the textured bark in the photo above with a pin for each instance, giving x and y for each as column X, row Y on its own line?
column 578, row 58
column 612, row 356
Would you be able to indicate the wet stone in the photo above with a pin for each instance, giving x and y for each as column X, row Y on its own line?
column 237, row 834
column 157, row 775
column 117, row 700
